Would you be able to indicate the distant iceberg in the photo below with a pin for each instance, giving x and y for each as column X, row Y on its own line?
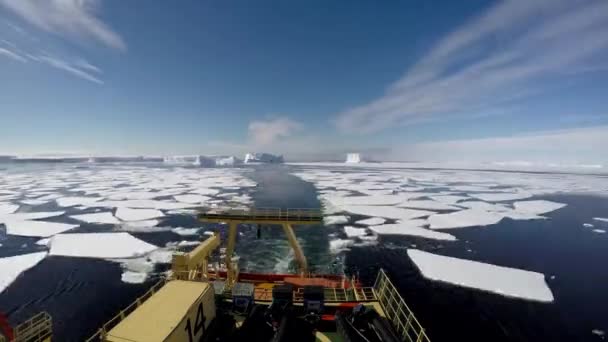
column 227, row 161
column 265, row 158
column 353, row 158
column 200, row 160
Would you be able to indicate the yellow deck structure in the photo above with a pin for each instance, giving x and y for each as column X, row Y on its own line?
column 179, row 311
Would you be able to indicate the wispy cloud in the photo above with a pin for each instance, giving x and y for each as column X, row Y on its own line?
column 74, row 18
column 499, row 57
column 72, row 68
column 264, row 133
column 12, row 54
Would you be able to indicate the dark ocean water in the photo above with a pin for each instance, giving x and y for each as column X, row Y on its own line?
column 81, row 294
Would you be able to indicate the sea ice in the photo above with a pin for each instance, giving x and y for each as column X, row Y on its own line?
column 74, row 201
column 601, row 219
column 372, row 221
column 131, row 277
column 103, row 218
column 412, row 228
column 387, row 212
column 501, row 196
column 99, row 245
column 336, row 219
column 587, row 225
column 427, row 204
column 537, row 207
column 30, row 216
column 497, row 279
column 354, row 232
column 128, row 214
column 8, row 208
column 192, row 199
column 464, row 218
column 185, row 231
column 12, row 267
column 339, row 245
column 36, row 228
column 33, row 202
column 601, row 231
column 448, row 199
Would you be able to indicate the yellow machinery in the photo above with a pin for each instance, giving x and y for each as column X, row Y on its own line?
column 274, row 216
column 189, row 266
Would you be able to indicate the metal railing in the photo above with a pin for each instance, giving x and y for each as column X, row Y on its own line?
column 271, row 214
column 400, row 315
column 36, row 329
column 101, row 334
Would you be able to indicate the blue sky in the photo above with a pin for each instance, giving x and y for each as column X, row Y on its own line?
column 479, row 80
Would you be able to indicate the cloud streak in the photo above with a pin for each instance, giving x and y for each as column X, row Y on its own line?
column 12, row 55
column 265, row 133
column 74, row 18
column 499, row 57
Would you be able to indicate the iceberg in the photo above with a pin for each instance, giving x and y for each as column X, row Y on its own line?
column 353, row 158
column 36, row 228
column 12, row 267
column 372, row 221
column 464, row 218
column 128, row 214
column 196, row 160
column 538, row 207
column 99, row 245
column 103, row 218
column 487, row 277
column 265, row 158
column 227, row 161
column 411, row 228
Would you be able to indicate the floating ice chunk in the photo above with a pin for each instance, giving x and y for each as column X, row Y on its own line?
column 341, row 201
column 74, row 201
column 8, row 208
column 601, row 219
column 497, row 279
column 339, row 245
column 502, row 196
column 598, row 332
column 104, row 218
column 141, row 224
column 131, row 277
column 33, row 202
column 204, row 191
column 588, row 225
column 412, row 228
column 538, row 207
column 354, row 232
column 43, row 242
column 185, row 231
column 192, row 199
column 448, row 199
column 336, row 219
column 464, row 218
column 600, row 231
column 188, row 243
column 12, row 267
column 387, row 212
column 160, row 256
column 99, row 245
column 128, row 214
column 427, row 204
column 30, row 216
column 146, row 204
column 479, row 205
column 36, row 228
column 372, row 221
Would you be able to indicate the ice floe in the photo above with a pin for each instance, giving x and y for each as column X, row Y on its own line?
column 8, row 208
column 128, row 214
column 501, row 196
column 537, row 207
column 339, row 245
column 12, row 267
column 30, row 216
column 36, row 228
column 372, row 221
column 354, row 232
column 192, row 199
column 411, row 228
column 600, row 231
column 601, row 219
column 33, row 202
column 497, row 279
column 464, row 218
column 74, row 201
column 427, row 204
column 587, row 225
column 335, row 219
column 103, row 218
column 387, row 212
column 99, row 245
column 185, row 231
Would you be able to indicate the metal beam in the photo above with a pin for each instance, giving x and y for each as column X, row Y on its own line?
column 231, row 272
column 299, row 254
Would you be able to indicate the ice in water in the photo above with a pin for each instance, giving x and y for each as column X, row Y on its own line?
column 99, row 245
column 411, row 228
column 12, row 267
column 505, row 281
column 103, row 218
column 36, row 228
column 128, row 214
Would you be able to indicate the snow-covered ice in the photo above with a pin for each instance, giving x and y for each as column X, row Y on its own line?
column 192, row 199
column 600, row 231
column 354, row 232
column 427, row 204
column 537, row 207
column 587, row 225
column 464, row 218
column 103, row 218
column 497, row 279
column 339, row 245
column 412, row 228
column 601, row 219
column 12, row 267
column 185, row 231
column 128, row 214
column 335, row 219
column 8, row 208
column 74, row 201
column 372, row 221
column 131, row 277
column 99, row 245
column 30, row 216
column 36, row 228
column 387, row 212
column 502, row 196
